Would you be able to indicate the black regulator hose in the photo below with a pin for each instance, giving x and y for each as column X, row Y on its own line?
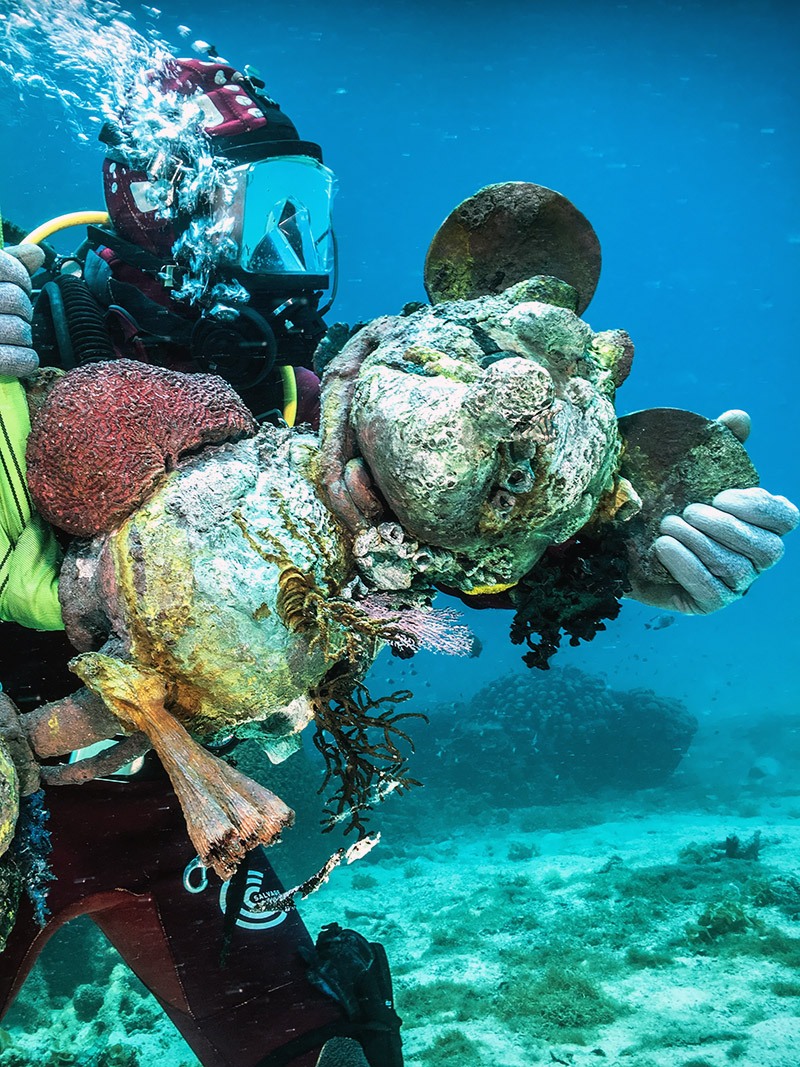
column 68, row 325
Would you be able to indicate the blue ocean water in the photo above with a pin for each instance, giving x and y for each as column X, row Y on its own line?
column 672, row 126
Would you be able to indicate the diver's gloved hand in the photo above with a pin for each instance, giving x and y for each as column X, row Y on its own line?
column 17, row 264
column 716, row 551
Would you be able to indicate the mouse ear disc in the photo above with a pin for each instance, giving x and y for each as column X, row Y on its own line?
column 673, row 458
column 507, row 233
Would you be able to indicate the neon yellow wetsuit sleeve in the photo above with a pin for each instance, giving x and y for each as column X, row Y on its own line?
column 29, row 554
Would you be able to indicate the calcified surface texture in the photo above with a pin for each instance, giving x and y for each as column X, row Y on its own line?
column 191, row 584
column 489, row 425
column 511, row 925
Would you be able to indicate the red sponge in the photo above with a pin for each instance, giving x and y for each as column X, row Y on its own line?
column 108, row 432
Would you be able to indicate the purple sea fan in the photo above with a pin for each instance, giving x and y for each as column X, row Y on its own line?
column 408, row 627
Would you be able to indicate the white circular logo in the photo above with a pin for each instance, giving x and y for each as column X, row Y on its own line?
column 249, row 917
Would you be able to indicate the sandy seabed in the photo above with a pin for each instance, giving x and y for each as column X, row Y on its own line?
column 630, row 940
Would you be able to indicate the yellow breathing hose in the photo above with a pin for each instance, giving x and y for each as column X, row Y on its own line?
column 289, row 382
column 62, row 222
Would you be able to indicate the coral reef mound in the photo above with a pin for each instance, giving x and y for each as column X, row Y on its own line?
column 540, row 737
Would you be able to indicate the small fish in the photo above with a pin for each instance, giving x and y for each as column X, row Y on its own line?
column 360, row 849
column 660, row 622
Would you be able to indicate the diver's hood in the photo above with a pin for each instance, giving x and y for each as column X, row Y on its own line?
column 271, row 221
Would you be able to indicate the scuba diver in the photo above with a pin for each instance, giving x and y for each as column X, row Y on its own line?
column 243, row 986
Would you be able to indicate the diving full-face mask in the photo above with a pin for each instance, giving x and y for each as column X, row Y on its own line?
column 280, row 219
column 214, row 196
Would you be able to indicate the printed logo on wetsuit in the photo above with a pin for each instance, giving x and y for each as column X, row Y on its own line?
column 253, row 914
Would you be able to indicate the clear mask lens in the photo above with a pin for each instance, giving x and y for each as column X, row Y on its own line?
column 282, row 216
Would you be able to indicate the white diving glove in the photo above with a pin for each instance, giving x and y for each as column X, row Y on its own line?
column 30, row 558
column 716, row 551
column 17, row 264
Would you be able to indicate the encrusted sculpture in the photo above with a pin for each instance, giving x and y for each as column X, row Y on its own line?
column 229, row 580
column 489, row 427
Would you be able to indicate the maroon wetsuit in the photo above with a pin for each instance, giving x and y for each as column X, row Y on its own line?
column 120, row 854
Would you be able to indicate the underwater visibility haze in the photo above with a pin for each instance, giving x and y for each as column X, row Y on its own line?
column 601, row 863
